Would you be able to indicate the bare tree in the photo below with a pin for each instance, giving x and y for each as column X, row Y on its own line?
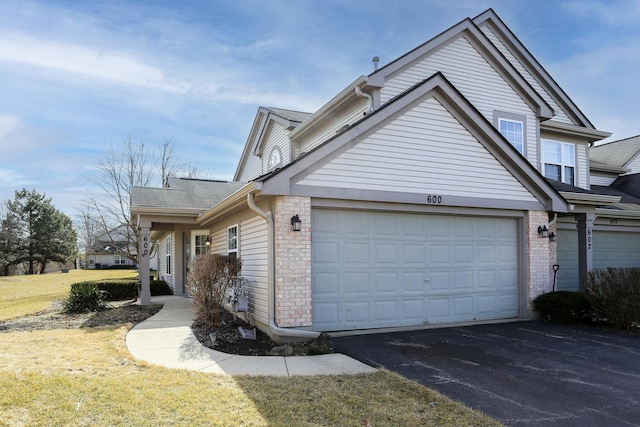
column 121, row 169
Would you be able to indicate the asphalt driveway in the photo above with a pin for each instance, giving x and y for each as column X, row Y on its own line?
column 522, row 374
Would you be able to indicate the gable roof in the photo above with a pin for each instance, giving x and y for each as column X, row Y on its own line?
column 290, row 119
column 485, row 47
column 616, row 153
column 283, row 181
column 531, row 64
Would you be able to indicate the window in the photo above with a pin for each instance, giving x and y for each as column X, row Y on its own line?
column 559, row 161
column 119, row 260
column 232, row 241
column 168, row 250
column 512, row 130
column 275, row 159
column 201, row 244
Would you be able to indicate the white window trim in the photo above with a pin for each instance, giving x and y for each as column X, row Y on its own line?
column 235, row 250
column 274, row 151
column 511, row 117
column 194, row 235
column 167, row 255
column 562, row 163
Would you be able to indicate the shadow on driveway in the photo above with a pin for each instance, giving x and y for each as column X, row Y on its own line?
column 522, row 374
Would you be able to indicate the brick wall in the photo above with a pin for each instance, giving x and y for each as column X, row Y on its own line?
column 292, row 262
column 541, row 256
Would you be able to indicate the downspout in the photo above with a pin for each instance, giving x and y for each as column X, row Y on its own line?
column 283, row 332
column 369, row 98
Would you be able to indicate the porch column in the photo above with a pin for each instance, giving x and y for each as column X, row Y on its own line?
column 178, row 276
column 585, row 246
column 144, row 250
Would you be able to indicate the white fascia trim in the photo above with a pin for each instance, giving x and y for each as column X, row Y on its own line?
column 589, row 199
column 615, row 213
column 591, row 135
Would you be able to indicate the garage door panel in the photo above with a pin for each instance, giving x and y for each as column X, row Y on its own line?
column 326, row 284
column 385, row 282
column 412, row 282
column 356, row 253
column 356, row 283
column 386, row 253
column 409, row 269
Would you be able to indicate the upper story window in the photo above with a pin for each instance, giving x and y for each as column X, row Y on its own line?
column 232, row 241
column 513, row 131
column 559, row 159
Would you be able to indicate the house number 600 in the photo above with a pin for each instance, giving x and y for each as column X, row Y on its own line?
column 433, row 199
column 145, row 246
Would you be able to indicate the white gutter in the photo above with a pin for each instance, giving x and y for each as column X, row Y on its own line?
column 281, row 332
column 360, row 93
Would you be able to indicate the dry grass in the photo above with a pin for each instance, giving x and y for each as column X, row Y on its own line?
column 21, row 295
column 86, row 377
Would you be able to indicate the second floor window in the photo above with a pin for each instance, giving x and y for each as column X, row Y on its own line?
column 559, row 160
column 512, row 130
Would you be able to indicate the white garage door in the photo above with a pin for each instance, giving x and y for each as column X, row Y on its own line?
column 373, row 269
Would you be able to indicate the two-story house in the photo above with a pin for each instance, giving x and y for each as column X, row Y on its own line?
column 441, row 188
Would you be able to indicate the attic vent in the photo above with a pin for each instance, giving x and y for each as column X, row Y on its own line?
column 343, row 128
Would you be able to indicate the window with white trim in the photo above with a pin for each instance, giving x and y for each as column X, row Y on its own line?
column 201, row 246
column 559, row 159
column 168, row 250
column 119, row 260
column 232, row 241
column 513, row 131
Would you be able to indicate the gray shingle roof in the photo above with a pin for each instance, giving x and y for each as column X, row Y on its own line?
column 184, row 193
column 616, row 153
column 294, row 116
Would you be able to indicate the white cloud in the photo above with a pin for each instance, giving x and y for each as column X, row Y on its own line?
column 620, row 12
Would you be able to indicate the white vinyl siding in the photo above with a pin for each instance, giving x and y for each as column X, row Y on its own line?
column 426, row 148
column 602, row 179
column 634, row 165
column 474, row 77
column 253, row 247
column 561, row 116
column 252, row 168
column 328, row 130
column 582, row 170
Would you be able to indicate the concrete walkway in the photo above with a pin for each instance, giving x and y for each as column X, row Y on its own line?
column 166, row 339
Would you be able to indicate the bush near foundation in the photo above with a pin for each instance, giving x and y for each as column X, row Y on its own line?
column 84, row 297
column 120, row 290
column 564, row 307
column 615, row 295
column 209, row 278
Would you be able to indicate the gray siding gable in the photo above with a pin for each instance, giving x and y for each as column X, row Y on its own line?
column 482, row 44
column 285, row 180
column 523, row 56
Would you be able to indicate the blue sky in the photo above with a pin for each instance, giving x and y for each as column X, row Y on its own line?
column 78, row 76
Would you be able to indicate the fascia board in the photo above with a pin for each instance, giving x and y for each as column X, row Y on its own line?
column 589, row 199
column 484, row 46
column 345, row 95
column 602, row 167
column 438, row 86
column 616, row 213
column 254, row 134
column 565, row 129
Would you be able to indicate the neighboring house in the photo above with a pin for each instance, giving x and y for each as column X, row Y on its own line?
column 439, row 189
column 108, row 252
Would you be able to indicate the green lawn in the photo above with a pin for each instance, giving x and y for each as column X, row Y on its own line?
column 86, row 377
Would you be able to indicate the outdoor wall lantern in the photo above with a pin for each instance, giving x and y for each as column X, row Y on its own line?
column 552, row 237
column 207, row 241
column 296, row 223
column 543, row 231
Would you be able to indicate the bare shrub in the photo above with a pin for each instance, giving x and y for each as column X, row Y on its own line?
column 615, row 294
column 208, row 280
